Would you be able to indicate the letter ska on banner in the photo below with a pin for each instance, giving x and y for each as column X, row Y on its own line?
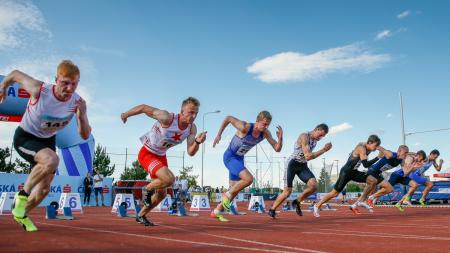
column 60, row 184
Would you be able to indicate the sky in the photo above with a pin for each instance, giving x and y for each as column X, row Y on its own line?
column 307, row 62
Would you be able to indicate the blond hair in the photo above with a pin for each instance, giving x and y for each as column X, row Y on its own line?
column 264, row 115
column 68, row 69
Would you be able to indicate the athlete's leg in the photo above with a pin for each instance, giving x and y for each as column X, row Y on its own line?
column 310, row 189
column 281, row 198
column 40, row 191
column 371, row 184
column 428, row 187
column 157, row 197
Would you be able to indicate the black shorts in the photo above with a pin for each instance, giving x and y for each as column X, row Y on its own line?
column 299, row 169
column 27, row 145
column 376, row 174
column 98, row 190
column 348, row 174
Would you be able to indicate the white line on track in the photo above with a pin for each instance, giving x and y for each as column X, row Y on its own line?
column 374, row 234
column 166, row 239
column 298, row 249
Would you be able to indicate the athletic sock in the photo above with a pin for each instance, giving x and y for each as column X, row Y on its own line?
column 355, row 204
column 23, row 193
column 216, row 212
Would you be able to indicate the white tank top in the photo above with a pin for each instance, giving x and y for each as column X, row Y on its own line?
column 160, row 138
column 298, row 154
column 47, row 114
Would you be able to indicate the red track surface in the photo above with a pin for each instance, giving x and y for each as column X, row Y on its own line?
column 97, row 230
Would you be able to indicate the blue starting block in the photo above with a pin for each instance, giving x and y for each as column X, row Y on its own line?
column 257, row 208
column 122, row 210
column 52, row 213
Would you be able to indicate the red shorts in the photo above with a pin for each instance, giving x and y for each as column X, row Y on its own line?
column 151, row 162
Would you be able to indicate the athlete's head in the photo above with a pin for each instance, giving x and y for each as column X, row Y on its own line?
column 189, row 110
column 434, row 154
column 67, row 78
column 263, row 121
column 320, row 131
column 373, row 142
column 402, row 151
column 420, row 156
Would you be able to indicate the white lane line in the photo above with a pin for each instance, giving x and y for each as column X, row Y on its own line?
column 298, row 249
column 165, row 239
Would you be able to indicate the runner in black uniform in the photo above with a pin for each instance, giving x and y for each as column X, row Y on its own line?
column 349, row 171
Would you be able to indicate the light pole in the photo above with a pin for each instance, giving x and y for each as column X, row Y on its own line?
column 203, row 144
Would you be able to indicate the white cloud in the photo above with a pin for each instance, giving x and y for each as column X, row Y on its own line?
column 112, row 52
column 404, row 14
column 20, row 20
column 294, row 66
column 340, row 128
column 378, row 132
column 6, row 133
column 383, row 35
column 389, row 115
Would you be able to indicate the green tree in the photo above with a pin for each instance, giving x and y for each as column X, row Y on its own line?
column 135, row 172
column 298, row 186
column 353, row 187
column 102, row 161
column 6, row 166
column 324, row 181
column 186, row 173
column 22, row 166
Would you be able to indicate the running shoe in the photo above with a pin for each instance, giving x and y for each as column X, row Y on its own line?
column 355, row 210
column 298, row 208
column 18, row 206
column 219, row 217
column 272, row 213
column 143, row 220
column 423, row 203
column 226, row 202
column 316, row 211
column 26, row 223
column 371, row 201
column 399, row 207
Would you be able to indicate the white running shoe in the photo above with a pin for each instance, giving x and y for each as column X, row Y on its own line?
column 316, row 211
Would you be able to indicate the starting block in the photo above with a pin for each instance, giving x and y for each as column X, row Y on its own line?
column 234, row 209
column 122, row 210
column 177, row 209
column 51, row 212
column 287, row 206
column 127, row 201
column 6, row 201
column 256, row 204
column 200, row 203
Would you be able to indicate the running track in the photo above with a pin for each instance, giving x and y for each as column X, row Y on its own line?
column 97, row 230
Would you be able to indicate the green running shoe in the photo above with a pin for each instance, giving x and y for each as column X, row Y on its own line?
column 226, row 203
column 399, row 207
column 219, row 217
column 422, row 202
column 19, row 204
column 26, row 223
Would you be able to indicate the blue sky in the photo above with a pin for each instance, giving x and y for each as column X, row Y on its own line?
column 305, row 62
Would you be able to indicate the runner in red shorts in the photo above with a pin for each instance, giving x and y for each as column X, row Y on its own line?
column 169, row 130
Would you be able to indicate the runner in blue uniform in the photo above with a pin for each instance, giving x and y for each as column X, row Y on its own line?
column 418, row 179
column 411, row 163
column 247, row 136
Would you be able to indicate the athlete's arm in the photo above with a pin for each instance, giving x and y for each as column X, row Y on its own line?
column 361, row 151
column 276, row 145
column 240, row 125
column 84, row 129
column 303, row 141
column 193, row 143
column 31, row 85
column 438, row 167
column 387, row 153
column 164, row 117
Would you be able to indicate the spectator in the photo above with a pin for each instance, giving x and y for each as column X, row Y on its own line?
column 87, row 188
column 217, row 190
column 98, row 187
column 175, row 187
